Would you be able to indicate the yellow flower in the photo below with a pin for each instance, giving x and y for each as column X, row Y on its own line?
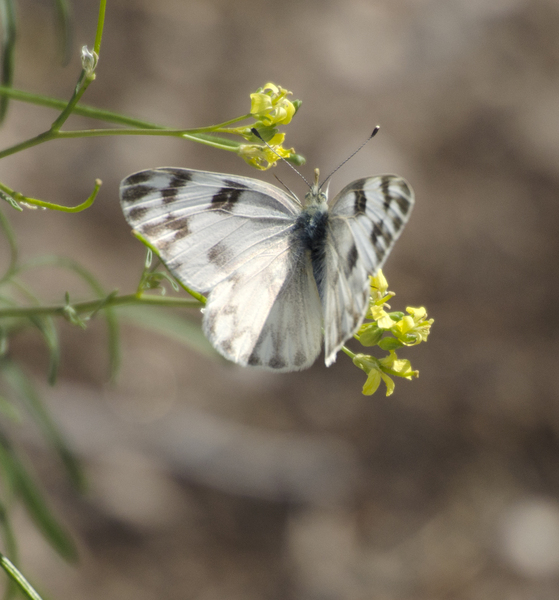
column 375, row 375
column 257, row 155
column 381, row 317
column 379, row 286
column 414, row 328
column 270, row 105
column 397, row 366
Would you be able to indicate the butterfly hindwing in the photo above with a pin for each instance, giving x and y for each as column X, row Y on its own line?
column 268, row 313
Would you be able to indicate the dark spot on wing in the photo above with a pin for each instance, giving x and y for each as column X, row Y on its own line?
column 300, row 359
column 360, row 202
column 254, row 360
column 397, row 222
column 181, row 232
column 180, row 177
column 380, row 230
column 352, row 258
column 227, row 346
column 133, row 193
column 385, row 189
column 403, row 199
column 276, row 362
column 152, row 229
column 177, row 223
column 227, row 196
column 140, row 177
column 137, row 213
column 404, row 204
column 219, row 254
column 235, row 184
column 178, row 180
column 401, row 193
column 169, row 194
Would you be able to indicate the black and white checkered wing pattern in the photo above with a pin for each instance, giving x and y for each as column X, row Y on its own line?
column 366, row 219
column 231, row 236
column 205, row 225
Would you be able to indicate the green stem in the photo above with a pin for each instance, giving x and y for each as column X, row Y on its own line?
column 18, row 578
column 93, row 305
column 189, row 134
column 51, row 206
column 38, row 139
column 347, row 351
column 108, row 116
column 86, row 76
column 81, row 86
column 83, row 110
column 46, row 136
column 100, row 23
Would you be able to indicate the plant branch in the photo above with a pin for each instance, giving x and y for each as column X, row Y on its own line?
column 94, row 305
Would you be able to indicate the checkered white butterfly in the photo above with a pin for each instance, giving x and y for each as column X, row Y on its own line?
column 281, row 275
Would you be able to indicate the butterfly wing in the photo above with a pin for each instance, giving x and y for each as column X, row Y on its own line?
column 268, row 313
column 366, row 219
column 232, row 235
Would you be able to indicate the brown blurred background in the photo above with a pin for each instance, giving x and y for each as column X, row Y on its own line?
column 209, row 481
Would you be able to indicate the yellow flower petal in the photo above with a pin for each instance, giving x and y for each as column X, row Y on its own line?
column 372, row 383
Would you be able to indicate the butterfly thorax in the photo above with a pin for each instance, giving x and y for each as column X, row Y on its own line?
column 309, row 233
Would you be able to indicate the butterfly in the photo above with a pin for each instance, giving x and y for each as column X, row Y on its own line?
column 281, row 275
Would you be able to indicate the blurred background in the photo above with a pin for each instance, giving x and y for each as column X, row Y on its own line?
column 209, row 481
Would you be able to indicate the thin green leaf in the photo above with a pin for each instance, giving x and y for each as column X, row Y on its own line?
column 179, row 328
column 11, row 548
column 36, row 506
column 16, row 576
column 25, row 390
column 63, row 30
column 12, row 243
column 8, row 21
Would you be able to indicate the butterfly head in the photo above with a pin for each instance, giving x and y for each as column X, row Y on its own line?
column 316, row 196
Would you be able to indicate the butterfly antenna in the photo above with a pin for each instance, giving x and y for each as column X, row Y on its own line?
column 254, row 131
column 288, row 190
column 375, row 131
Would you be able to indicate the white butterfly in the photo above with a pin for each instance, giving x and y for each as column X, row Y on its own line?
column 278, row 273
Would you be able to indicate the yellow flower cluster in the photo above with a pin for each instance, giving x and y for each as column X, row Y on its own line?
column 389, row 331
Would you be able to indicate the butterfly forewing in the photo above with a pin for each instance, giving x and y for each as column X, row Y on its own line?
column 203, row 226
column 366, row 219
